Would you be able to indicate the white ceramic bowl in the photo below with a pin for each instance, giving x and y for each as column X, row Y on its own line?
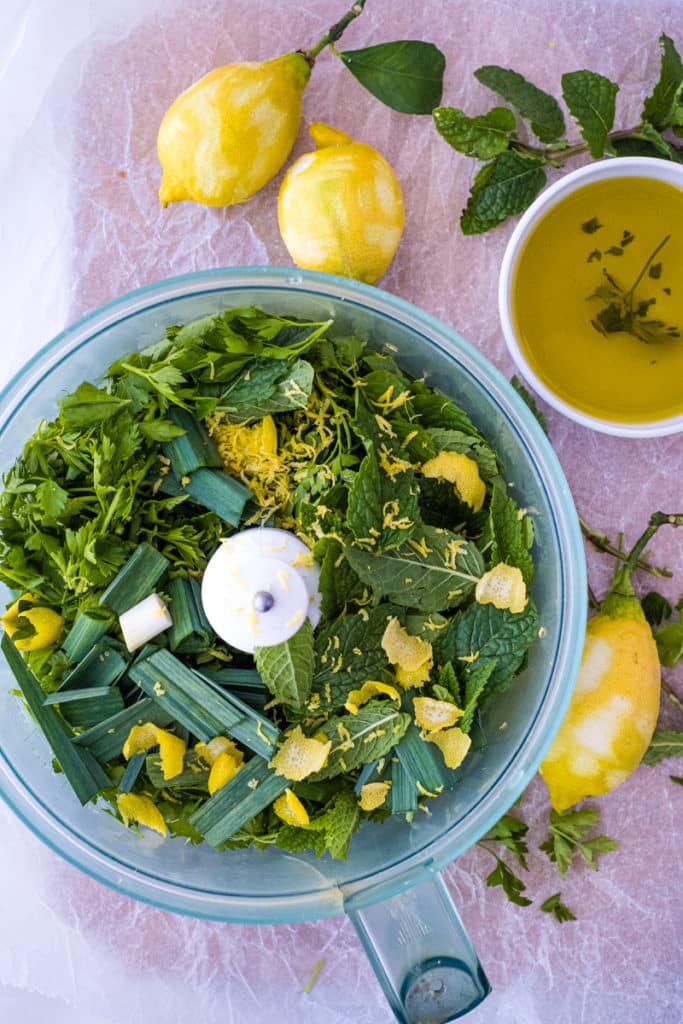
column 621, row 167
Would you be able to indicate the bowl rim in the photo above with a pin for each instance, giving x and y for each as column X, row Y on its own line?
column 417, row 864
column 610, row 167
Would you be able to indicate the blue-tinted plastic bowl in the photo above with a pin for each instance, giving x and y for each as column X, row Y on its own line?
column 387, row 859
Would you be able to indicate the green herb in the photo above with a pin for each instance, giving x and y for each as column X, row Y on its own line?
column 105, row 503
column 515, row 170
column 656, row 608
column 529, row 400
column 287, row 668
column 669, row 639
column 554, row 905
column 591, row 226
column 623, row 312
column 512, row 884
column 665, row 743
column 569, row 834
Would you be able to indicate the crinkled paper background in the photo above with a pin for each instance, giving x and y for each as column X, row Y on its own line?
column 83, row 87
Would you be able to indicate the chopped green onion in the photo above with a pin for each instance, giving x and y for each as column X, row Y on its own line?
column 82, row 771
column 245, row 683
column 133, row 769
column 70, row 696
column 418, row 771
column 136, row 579
column 192, row 450
column 184, row 695
column 213, row 489
column 403, row 793
column 86, row 713
column 249, row 792
column 190, row 631
column 145, row 620
column 105, row 740
column 102, row 666
column 195, row 773
column 88, row 627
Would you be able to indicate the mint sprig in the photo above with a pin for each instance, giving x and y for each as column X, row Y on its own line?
column 514, row 171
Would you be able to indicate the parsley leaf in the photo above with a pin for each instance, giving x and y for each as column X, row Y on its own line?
column 656, row 608
column 511, row 832
column 554, row 905
column 569, row 834
column 512, row 885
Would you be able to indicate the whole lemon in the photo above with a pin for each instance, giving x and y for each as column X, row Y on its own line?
column 227, row 135
column 340, row 208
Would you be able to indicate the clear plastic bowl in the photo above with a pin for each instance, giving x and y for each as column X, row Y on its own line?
column 386, row 859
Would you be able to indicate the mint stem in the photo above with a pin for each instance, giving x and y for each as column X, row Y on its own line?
column 553, row 155
column 629, row 294
column 602, row 543
column 335, row 32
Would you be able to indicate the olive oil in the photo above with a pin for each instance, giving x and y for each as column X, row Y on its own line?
column 597, row 299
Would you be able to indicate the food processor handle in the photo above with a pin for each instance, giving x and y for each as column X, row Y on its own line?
column 422, row 954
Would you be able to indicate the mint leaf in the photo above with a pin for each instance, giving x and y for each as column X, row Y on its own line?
column 591, row 101
column 669, row 640
column 347, row 653
column 554, row 905
column 338, row 584
column 267, row 388
column 664, row 744
column 406, row 75
column 656, row 607
column 474, row 447
column 287, row 668
column 529, row 400
column 535, row 105
column 382, row 511
column 664, row 106
column 484, row 632
column 475, row 683
column 361, row 738
column 502, row 188
column 512, row 532
column 442, row 578
column 483, row 137
column 338, row 822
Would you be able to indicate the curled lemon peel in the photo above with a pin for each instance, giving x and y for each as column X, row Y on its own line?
column 300, row 756
column 227, row 135
column 225, row 766
column 371, row 688
column 434, row 715
column 502, row 586
column 453, row 743
column 289, row 809
column 208, row 752
column 46, row 623
column 373, row 795
column 142, row 738
column 412, row 678
column 340, row 208
column 461, row 471
column 403, row 649
column 141, row 809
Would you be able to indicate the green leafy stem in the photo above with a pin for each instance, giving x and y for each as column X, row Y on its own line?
column 514, row 171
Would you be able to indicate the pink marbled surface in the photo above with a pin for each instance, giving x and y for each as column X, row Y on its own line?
column 84, row 157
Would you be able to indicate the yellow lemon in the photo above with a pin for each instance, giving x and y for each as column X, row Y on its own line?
column 612, row 714
column 227, row 135
column 340, row 208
